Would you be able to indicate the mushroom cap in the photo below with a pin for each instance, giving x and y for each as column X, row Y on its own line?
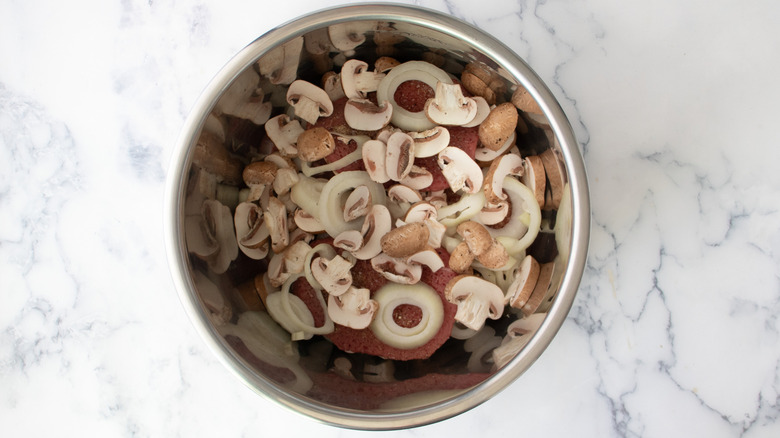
column 315, row 144
column 420, row 212
column 461, row 258
column 358, row 203
column 405, row 240
column 495, row 257
column 540, row 289
column 259, row 172
column 418, row 178
column 396, row 269
column 376, row 224
column 302, row 93
column 430, row 142
column 477, row 299
column 460, row 171
column 523, row 101
column 500, row 168
column 498, row 126
column 476, row 236
column 556, row 175
column 352, row 309
column 333, row 275
column 534, row 177
column 374, row 153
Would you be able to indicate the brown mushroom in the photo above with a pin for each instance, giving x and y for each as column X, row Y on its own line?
column 405, row 240
column 498, row 126
column 315, row 144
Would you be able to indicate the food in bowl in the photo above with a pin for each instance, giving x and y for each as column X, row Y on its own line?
column 387, row 223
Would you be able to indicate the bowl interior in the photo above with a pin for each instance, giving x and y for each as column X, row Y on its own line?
column 311, row 376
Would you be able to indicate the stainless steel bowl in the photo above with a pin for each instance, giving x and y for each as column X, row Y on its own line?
column 422, row 33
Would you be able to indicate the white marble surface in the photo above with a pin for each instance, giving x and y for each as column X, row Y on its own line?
column 675, row 328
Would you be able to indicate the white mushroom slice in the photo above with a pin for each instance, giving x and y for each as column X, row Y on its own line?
column 485, row 154
column 397, row 270
column 240, row 99
column 374, row 152
column 418, row 178
column 286, row 263
column 251, row 232
column 376, row 224
column 412, row 70
column 426, row 257
column 309, row 101
column 534, row 178
column 352, row 309
column 450, row 106
column 285, row 179
column 280, row 64
column 333, row 275
column 476, row 298
column 357, row 81
column 438, row 198
column 276, row 221
column 399, row 157
column 422, row 296
column 364, row 115
column 307, row 222
column 331, row 83
column 284, row 133
column 431, row 142
column 402, row 193
column 526, row 275
column 214, row 227
column 460, row 170
column 509, row 164
column 420, row 212
column 492, row 214
column 358, row 203
column 483, row 109
column 349, row 35
column 350, row 240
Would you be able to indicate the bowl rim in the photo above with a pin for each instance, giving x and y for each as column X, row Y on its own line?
column 480, row 41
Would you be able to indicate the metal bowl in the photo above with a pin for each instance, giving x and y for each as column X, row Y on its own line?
column 406, row 33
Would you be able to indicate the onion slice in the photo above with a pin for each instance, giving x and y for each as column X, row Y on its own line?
column 393, row 295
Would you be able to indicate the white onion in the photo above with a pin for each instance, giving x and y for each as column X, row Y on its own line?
column 331, row 207
column 393, row 295
column 466, row 208
column 523, row 201
column 306, row 194
column 412, row 70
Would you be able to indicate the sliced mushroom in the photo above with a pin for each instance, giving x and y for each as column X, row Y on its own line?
column 352, row 309
column 358, row 203
column 257, row 176
column 307, row 222
column 364, row 115
column 399, row 157
column 374, row 153
column 483, row 110
column 540, row 289
column 331, row 83
column 243, row 99
column 477, row 300
column 276, row 221
column 280, row 65
column 219, row 312
column 426, row 257
column 461, row 258
column 486, row 155
column 288, row 262
column 405, row 240
column 534, row 177
column 418, row 178
column 556, row 175
column 460, row 171
column 315, row 144
column 526, row 276
column 493, row 214
column 430, row 142
column 420, row 212
column 350, row 240
column 349, row 35
column 403, row 193
column 499, row 125
column 309, row 101
column 285, row 179
column 523, row 100
column 476, row 236
column 397, row 270
column 357, row 81
column 450, row 106
column 334, row 275
column 284, row 133
column 410, row 71
column 376, row 224
column 211, row 233
column 251, row 232
column 509, row 164
column 384, row 64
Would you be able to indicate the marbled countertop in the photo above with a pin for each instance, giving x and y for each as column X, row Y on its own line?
column 675, row 328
